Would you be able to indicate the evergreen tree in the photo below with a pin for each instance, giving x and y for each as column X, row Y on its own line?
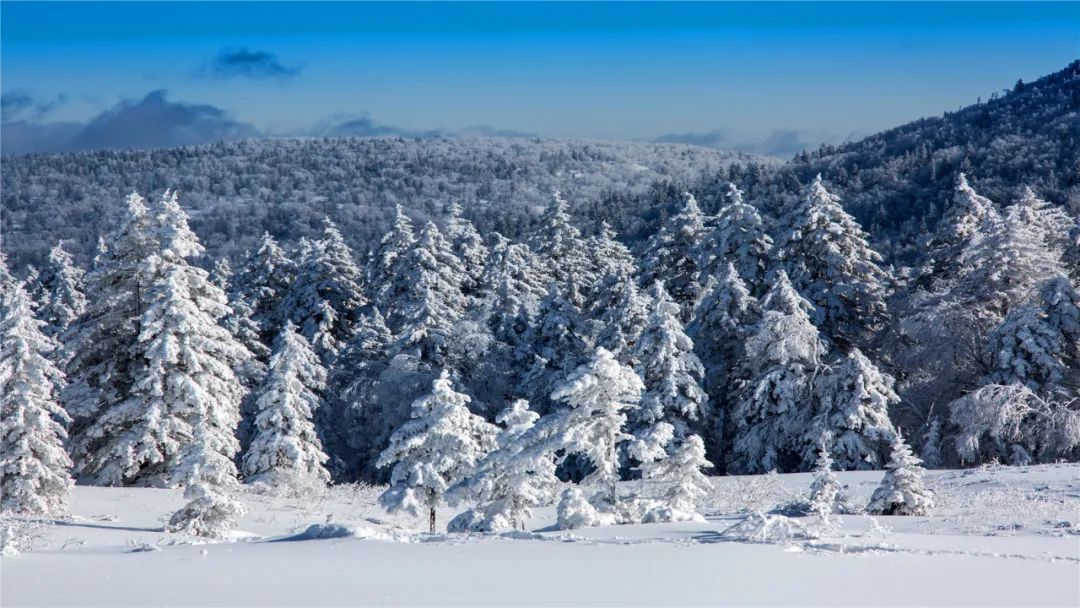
column 853, row 399
column 575, row 511
column 685, row 485
column 783, row 354
column 432, row 301
column 612, row 262
column 222, row 275
column 183, row 408
column 598, row 394
column 513, row 479
column 622, row 312
column 211, row 512
column 968, row 216
column 387, row 268
column 262, row 283
column 554, row 345
column 285, row 448
column 437, row 448
column 931, row 445
column 1039, row 345
column 670, row 256
column 101, row 344
column 825, row 497
column 739, row 238
column 670, row 370
column 62, row 285
column 902, row 490
column 468, row 246
column 34, row 477
column 1070, row 258
column 513, row 286
column 563, row 253
column 326, row 294
column 827, row 256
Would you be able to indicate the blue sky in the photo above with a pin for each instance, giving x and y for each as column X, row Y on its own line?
column 727, row 74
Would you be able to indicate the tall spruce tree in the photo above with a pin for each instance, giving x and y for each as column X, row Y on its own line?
column 34, row 468
column 563, row 253
column 262, row 283
column 671, row 256
column 62, row 290
column 739, row 238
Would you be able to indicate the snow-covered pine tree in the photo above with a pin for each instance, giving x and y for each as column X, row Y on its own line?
column 721, row 325
column 513, row 479
column 671, row 256
column 34, row 468
column 324, row 298
column 612, row 261
column 512, row 288
column 598, row 393
column 1038, row 345
column 34, row 287
column 575, row 511
column 62, row 289
column 555, row 344
column 931, row 445
column 685, row 485
column 432, row 300
column 222, row 274
column 468, row 246
column 102, row 341
column 285, row 449
column 263, row 282
column 621, row 312
column 902, row 490
column 852, row 400
column 183, row 408
column 563, row 253
column 968, row 216
column 437, row 448
column 1052, row 223
column 739, row 238
column 825, row 496
column 830, row 262
column 386, row 267
column 1001, row 267
column 211, row 512
column 670, row 370
column 783, row 355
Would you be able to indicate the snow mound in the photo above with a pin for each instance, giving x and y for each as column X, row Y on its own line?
column 761, row 528
column 331, row 531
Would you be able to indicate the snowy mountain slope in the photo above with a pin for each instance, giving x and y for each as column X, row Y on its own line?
column 1000, row 537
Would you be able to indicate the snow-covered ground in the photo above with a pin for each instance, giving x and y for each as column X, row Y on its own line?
column 999, row 537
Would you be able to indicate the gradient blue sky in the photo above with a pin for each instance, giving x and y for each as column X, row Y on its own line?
column 607, row 70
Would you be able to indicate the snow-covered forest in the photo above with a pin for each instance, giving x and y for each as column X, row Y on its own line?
column 485, row 330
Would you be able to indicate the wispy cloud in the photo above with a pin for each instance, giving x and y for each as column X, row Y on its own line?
column 19, row 104
column 783, row 143
column 246, row 63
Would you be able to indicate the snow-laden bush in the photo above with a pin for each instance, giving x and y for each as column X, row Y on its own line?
column 18, row 535
column 902, row 491
column 761, row 528
column 574, row 511
column 210, row 514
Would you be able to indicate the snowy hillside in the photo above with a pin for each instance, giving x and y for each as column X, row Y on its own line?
column 999, row 537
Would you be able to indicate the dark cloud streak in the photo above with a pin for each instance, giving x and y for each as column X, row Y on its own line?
column 246, row 63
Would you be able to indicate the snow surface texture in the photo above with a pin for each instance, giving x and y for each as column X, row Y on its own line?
column 997, row 537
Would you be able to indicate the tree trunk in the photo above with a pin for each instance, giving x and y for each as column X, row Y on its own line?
column 431, row 518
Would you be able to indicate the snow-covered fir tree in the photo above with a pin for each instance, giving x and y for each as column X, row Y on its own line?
column 931, row 445
column 1038, row 345
column 826, row 494
column 599, row 393
column 739, row 238
column 722, row 321
column 323, row 299
column 563, row 253
column 672, row 373
column 386, row 268
column 622, row 312
column 432, row 300
column 263, row 282
column 221, row 275
column 853, row 398
column 830, row 262
column 437, row 448
column 1052, row 223
column 62, row 292
column 512, row 287
column 101, row 370
column 963, row 221
column 575, row 511
column 1001, row 267
column 555, row 344
column 34, row 468
column 902, row 490
column 611, row 257
column 210, row 513
column 1070, row 257
column 684, row 484
column 671, row 256
column 182, row 410
column 285, row 448
column 468, row 246
column 513, row 479
column 783, row 354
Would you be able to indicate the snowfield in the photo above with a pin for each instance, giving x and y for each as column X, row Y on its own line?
column 1000, row 536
